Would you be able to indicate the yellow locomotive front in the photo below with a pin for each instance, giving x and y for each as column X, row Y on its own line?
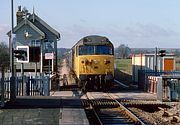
column 94, row 63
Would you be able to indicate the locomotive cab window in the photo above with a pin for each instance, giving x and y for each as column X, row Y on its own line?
column 104, row 50
column 95, row 50
column 86, row 50
column 77, row 51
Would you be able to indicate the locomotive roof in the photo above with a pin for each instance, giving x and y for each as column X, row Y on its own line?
column 94, row 40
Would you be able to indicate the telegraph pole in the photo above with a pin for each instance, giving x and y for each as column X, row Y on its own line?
column 12, row 81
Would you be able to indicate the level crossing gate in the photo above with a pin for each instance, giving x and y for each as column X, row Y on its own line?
column 143, row 77
column 32, row 86
column 25, row 86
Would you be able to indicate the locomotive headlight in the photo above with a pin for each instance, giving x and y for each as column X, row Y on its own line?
column 95, row 61
column 107, row 61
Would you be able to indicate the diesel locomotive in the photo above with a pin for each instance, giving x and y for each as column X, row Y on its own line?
column 92, row 61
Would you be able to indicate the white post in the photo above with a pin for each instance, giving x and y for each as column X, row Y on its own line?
column 52, row 65
column 41, row 68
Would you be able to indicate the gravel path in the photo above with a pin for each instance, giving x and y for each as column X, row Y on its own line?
column 65, row 70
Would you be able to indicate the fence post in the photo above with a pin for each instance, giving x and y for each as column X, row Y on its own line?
column 2, row 87
column 28, row 86
column 17, row 88
column 46, row 85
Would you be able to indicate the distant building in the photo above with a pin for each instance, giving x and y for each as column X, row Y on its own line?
column 31, row 30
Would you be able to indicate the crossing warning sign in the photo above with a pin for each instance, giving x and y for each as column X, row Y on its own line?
column 49, row 55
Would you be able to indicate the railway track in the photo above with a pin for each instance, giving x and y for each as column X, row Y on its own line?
column 69, row 88
column 108, row 111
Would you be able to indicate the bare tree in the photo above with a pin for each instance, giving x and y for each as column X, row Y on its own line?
column 122, row 51
column 4, row 54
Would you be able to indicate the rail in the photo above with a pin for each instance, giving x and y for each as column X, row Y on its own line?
column 100, row 107
column 129, row 113
column 94, row 111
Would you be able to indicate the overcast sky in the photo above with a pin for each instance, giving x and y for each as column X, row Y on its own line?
column 136, row 23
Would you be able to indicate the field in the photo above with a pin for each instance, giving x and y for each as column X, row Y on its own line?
column 124, row 65
column 178, row 63
column 123, row 71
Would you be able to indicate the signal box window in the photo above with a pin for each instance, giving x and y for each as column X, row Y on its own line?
column 35, row 43
column 48, row 46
